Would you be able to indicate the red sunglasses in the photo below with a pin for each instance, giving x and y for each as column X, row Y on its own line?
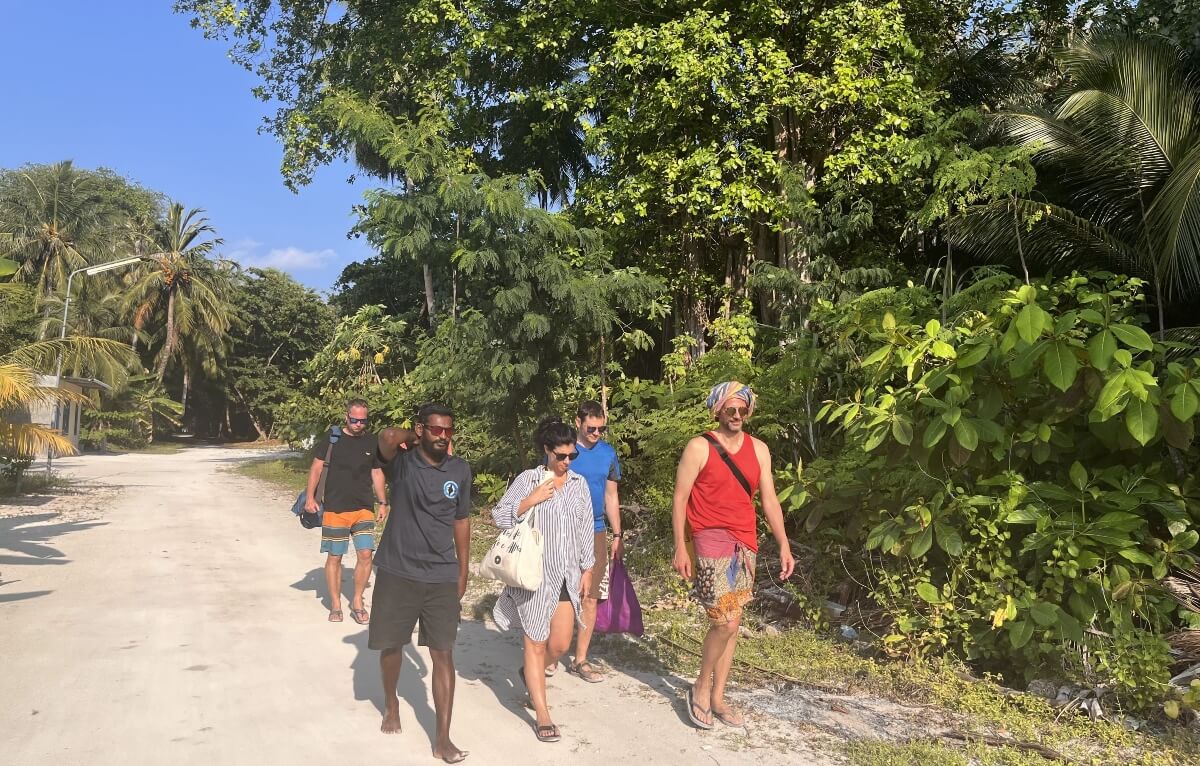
column 448, row 431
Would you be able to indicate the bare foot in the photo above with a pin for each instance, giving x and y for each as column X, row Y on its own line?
column 449, row 753
column 391, row 722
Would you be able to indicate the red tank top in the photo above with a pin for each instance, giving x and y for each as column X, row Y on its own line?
column 718, row 500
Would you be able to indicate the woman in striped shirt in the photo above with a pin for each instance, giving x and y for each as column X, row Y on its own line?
column 562, row 506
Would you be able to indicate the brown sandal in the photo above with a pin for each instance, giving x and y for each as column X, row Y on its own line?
column 585, row 671
column 360, row 616
column 335, row 615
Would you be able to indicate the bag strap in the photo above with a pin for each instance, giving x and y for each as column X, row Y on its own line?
column 335, row 433
column 733, row 468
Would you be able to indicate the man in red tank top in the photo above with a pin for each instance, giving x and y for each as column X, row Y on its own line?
column 718, row 476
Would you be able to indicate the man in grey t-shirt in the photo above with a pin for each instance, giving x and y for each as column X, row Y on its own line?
column 421, row 566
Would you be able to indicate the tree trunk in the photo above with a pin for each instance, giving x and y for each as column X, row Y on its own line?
column 187, row 387
column 429, row 307
column 1020, row 244
column 169, row 342
column 603, row 374
column 262, row 434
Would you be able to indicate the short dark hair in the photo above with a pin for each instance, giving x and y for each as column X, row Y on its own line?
column 357, row 403
column 552, row 432
column 430, row 409
column 590, row 408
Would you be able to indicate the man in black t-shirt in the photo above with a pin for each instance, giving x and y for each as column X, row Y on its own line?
column 353, row 485
column 421, row 570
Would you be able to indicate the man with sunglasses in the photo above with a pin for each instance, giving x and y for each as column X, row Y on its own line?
column 597, row 463
column 713, row 508
column 353, row 485
column 421, row 569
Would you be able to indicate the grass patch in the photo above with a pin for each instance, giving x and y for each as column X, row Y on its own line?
column 34, row 482
column 937, row 754
column 289, row 472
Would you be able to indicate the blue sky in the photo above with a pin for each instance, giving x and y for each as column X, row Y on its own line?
column 131, row 86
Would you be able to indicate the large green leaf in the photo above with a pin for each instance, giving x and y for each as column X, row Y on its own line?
column 1101, row 348
column 8, row 267
column 966, row 434
column 1141, row 419
column 1060, row 365
column 1185, row 402
column 1030, row 322
column 1133, row 336
column 948, row 539
column 922, row 543
column 1019, row 633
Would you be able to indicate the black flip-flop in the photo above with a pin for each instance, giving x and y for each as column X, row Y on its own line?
column 693, row 707
column 364, row 619
column 547, row 733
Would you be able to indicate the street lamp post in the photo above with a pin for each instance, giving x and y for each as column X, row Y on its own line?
column 90, row 271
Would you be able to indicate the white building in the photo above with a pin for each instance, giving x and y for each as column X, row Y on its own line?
column 64, row 416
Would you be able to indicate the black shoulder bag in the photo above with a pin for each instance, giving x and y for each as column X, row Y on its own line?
column 313, row 520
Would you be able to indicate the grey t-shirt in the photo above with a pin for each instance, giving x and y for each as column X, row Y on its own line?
column 418, row 541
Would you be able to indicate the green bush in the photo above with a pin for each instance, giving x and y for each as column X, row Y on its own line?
column 1022, row 477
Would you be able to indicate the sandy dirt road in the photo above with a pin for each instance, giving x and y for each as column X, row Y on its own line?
column 171, row 613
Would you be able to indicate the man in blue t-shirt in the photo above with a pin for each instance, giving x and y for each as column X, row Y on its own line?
column 598, row 464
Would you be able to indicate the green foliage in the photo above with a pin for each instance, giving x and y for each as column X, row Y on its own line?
column 1024, row 495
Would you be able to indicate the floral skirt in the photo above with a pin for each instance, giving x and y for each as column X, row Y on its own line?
column 724, row 581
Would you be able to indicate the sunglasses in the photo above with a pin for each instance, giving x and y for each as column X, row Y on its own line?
column 739, row 411
column 358, row 421
column 567, row 456
column 597, row 429
column 447, row 431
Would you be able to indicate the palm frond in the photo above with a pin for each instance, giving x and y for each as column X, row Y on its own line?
column 1057, row 238
column 106, row 359
column 30, row 440
column 1175, row 219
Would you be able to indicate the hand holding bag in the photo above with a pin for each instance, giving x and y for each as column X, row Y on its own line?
column 621, row 613
column 515, row 559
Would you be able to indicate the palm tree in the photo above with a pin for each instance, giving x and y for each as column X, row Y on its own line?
column 182, row 285
column 51, row 222
column 1118, row 161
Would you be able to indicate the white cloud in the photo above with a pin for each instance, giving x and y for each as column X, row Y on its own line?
column 248, row 253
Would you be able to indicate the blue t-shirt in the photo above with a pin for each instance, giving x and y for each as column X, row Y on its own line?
column 598, row 465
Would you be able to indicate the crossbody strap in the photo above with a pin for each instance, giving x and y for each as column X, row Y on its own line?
column 733, row 468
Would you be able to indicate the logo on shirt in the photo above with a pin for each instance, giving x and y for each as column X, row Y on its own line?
column 450, row 489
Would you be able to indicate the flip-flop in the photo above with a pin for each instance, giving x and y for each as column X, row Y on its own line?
column 550, row 671
column 693, row 707
column 360, row 616
column 729, row 721
column 547, row 733
column 335, row 615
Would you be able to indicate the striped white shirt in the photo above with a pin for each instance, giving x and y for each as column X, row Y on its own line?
column 565, row 521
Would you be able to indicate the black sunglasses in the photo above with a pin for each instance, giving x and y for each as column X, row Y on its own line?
column 359, row 421
column 567, row 456
column 597, row 429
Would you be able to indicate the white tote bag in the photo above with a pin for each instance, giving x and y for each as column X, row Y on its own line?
column 516, row 557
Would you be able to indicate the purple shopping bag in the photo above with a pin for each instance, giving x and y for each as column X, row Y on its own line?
column 621, row 613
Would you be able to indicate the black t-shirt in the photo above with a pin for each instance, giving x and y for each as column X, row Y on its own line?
column 418, row 541
column 348, row 485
